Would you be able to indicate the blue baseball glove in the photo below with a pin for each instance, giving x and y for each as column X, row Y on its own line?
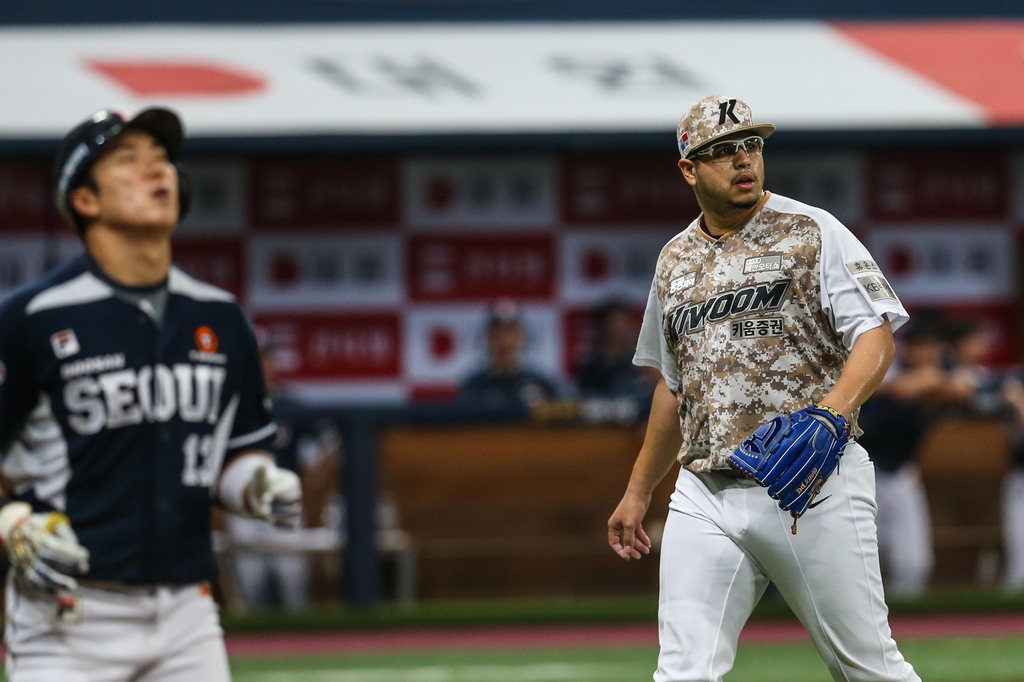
column 793, row 455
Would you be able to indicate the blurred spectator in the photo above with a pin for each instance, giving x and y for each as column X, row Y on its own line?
column 982, row 387
column 894, row 421
column 609, row 371
column 1013, row 491
column 996, row 395
column 270, row 579
column 504, row 382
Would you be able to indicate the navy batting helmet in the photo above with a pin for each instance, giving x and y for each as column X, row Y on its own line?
column 84, row 144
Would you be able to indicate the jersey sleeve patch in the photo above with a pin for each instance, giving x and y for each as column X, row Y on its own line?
column 877, row 288
column 859, row 267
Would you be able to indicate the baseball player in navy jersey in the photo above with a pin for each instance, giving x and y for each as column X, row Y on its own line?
column 763, row 305
column 131, row 401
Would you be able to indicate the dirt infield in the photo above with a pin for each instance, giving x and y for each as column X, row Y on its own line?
column 323, row 644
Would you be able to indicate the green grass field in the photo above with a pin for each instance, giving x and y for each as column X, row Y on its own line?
column 945, row 660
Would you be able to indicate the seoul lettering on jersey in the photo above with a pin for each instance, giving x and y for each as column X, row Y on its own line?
column 154, row 394
column 124, row 421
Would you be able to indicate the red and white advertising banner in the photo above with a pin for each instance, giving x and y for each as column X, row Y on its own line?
column 325, row 346
column 217, row 260
column 325, row 271
column 458, row 193
column 218, row 198
column 600, row 265
column 446, row 344
column 481, row 268
column 940, row 265
column 521, row 78
column 26, row 198
column 926, row 185
column 24, row 258
column 353, row 192
column 832, row 181
column 610, row 189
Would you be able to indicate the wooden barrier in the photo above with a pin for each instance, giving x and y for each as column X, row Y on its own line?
column 516, row 510
column 962, row 464
column 521, row 510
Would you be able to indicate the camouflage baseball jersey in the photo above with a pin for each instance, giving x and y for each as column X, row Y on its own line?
column 758, row 322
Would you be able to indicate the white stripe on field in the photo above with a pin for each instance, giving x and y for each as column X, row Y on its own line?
column 540, row 672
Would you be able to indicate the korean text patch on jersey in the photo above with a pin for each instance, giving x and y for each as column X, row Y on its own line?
column 682, row 283
column 857, row 267
column 759, row 328
column 762, row 264
column 877, row 288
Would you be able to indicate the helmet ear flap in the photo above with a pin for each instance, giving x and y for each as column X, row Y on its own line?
column 184, row 191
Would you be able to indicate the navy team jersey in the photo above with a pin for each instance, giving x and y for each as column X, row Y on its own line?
column 124, row 424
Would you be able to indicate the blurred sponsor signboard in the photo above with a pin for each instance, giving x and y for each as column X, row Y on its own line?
column 598, row 265
column 325, row 271
column 459, row 268
column 926, row 185
column 355, row 79
column 500, row 193
column 26, row 197
column 626, row 189
column 335, row 346
column 320, row 193
column 941, row 264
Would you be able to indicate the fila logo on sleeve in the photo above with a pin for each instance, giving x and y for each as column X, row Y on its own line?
column 64, row 343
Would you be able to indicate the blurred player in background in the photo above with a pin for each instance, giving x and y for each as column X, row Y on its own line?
column 609, row 372
column 131, row 401
column 761, row 305
column 989, row 393
column 504, row 381
column 895, row 420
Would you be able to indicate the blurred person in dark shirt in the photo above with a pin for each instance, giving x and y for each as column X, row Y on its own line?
column 971, row 346
column 895, row 420
column 1001, row 395
column 504, row 381
column 1013, row 489
column 609, row 372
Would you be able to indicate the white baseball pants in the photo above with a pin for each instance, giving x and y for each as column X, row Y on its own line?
column 726, row 538
column 170, row 634
column 904, row 530
column 1013, row 529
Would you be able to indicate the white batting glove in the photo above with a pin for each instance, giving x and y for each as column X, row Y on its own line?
column 275, row 495
column 43, row 549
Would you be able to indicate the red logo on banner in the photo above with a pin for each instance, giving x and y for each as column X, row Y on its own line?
column 629, row 189
column 442, row 344
column 322, row 193
column 336, row 346
column 216, row 261
column 481, row 268
column 925, row 185
column 177, row 78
